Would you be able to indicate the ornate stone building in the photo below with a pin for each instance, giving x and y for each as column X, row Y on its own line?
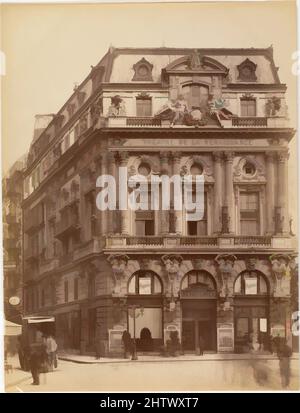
column 220, row 113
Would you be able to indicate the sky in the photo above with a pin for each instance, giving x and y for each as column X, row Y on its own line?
column 50, row 48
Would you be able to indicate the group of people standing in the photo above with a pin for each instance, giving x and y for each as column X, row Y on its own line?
column 38, row 357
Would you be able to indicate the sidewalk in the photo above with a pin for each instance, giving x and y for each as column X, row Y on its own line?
column 77, row 358
column 17, row 376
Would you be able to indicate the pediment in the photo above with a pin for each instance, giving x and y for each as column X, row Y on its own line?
column 196, row 63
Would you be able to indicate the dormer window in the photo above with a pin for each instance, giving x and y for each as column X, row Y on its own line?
column 247, row 71
column 143, row 70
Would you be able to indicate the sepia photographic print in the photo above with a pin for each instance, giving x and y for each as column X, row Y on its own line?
column 150, row 198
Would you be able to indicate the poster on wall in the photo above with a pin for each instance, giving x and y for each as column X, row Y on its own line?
column 115, row 340
column 225, row 336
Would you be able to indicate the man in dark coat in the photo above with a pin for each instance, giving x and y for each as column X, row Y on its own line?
column 36, row 360
column 127, row 343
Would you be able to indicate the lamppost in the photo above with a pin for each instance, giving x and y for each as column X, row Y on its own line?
column 134, row 315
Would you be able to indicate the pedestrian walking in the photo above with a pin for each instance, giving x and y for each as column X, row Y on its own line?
column 21, row 352
column 51, row 348
column 36, row 362
column 97, row 343
column 201, row 345
column 284, row 354
column 127, row 343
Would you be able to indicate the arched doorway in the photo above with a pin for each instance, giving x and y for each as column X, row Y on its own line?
column 145, row 304
column 198, row 296
column 251, row 311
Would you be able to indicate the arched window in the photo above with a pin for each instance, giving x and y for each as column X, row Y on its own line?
column 145, row 283
column 250, row 283
column 194, row 278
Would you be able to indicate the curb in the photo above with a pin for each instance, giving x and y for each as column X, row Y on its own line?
column 164, row 359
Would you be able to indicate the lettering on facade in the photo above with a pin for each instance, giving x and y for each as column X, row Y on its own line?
column 197, row 293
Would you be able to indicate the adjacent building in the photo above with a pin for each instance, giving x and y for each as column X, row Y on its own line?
column 12, row 195
column 223, row 280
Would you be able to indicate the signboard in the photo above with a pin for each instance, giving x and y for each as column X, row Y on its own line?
column 263, row 326
column 278, row 330
column 168, row 330
column 250, row 286
column 225, row 337
column 153, row 142
column 195, row 293
column 14, row 300
column 115, row 340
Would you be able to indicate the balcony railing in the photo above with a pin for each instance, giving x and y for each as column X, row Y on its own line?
column 205, row 241
column 150, row 240
column 250, row 122
column 253, row 241
column 139, row 122
column 184, row 242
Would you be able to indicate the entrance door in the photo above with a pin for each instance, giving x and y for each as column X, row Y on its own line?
column 188, row 334
column 206, row 331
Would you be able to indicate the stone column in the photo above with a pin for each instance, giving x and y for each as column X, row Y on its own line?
column 164, row 215
column 111, row 160
column 217, row 156
column 282, row 193
column 270, row 192
column 229, row 195
column 176, row 171
column 124, row 213
column 103, row 214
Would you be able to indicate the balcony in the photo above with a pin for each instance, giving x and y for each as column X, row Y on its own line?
column 235, row 122
column 66, row 226
column 31, row 254
column 48, row 265
column 171, row 241
column 88, row 248
column 255, row 122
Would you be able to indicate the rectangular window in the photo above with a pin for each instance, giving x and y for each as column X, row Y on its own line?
column 249, row 213
column 143, row 107
column 76, row 289
column 144, row 223
column 248, row 107
column 66, row 291
column 198, row 227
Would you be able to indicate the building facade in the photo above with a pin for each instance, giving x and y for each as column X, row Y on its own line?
column 224, row 280
column 12, row 194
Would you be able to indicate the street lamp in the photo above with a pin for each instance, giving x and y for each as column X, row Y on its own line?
column 134, row 315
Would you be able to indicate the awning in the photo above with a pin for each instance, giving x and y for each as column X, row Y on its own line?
column 39, row 319
column 12, row 329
